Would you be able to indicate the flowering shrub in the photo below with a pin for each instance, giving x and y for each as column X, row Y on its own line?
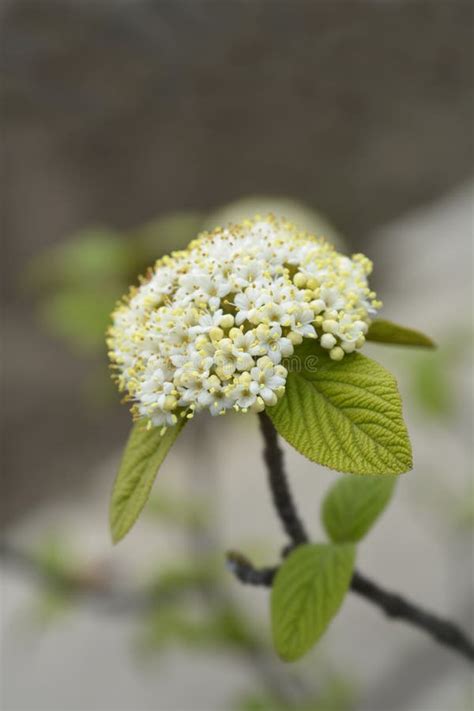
column 262, row 318
column 210, row 326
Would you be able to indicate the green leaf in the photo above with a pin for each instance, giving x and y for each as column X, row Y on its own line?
column 144, row 453
column 353, row 504
column 382, row 331
column 346, row 415
column 307, row 592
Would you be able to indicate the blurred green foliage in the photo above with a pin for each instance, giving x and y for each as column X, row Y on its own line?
column 218, row 628
column 437, row 391
column 167, row 508
column 337, row 693
column 431, row 387
column 171, row 582
column 55, row 558
column 60, row 571
column 93, row 254
column 79, row 316
column 432, row 374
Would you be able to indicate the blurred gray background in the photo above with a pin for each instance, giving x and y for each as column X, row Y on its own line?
column 117, row 113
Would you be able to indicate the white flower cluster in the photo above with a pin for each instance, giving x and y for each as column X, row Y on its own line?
column 209, row 326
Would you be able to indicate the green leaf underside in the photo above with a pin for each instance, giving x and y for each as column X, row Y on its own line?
column 143, row 455
column 308, row 591
column 353, row 504
column 381, row 331
column 345, row 415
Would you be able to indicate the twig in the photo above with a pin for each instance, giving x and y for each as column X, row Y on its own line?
column 393, row 605
column 279, row 487
column 243, row 569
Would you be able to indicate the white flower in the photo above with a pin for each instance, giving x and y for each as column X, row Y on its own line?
column 269, row 379
column 274, row 313
column 221, row 400
column 246, row 391
column 212, row 290
column 303, row 319
column 247, row 274
column 270, row 342
column 206, row 322
column 245, row 305
column 229, row 358
column 210, row 325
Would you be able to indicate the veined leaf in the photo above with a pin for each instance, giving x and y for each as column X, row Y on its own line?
column 353, row 504
column 382, row 331
column 346, row 415
column 144, row 453
column 307, row 592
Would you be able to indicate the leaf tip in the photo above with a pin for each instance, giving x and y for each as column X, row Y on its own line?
column 115, row 538
column 289, row 658
column 382, row 331
column 116, row 534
